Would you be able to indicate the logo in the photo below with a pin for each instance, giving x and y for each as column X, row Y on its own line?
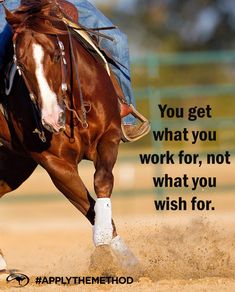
column 19, row 280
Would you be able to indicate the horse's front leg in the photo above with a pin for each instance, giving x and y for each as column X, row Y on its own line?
column 104, row 232
column 104, row 228
column 65, row 177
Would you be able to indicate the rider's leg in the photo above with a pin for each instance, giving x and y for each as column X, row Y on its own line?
column 5, row 37
column 91, row 17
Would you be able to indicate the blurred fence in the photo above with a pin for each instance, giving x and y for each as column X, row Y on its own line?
column 220, row 95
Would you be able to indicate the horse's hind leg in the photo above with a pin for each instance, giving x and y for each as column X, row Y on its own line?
column 14, row 170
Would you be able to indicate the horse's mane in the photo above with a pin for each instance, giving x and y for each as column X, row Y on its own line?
column 42, row 16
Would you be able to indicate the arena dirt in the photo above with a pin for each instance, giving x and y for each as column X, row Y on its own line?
column 177, row 252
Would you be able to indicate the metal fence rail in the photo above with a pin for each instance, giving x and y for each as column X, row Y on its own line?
column 154, row 95
column 153, row 61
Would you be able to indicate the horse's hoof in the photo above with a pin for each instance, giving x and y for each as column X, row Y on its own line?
column 102, row 262
column 124, row 255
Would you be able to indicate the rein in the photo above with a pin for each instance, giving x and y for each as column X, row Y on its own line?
column 83, row 118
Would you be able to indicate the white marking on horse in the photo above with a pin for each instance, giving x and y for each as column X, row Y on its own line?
column 50, row 107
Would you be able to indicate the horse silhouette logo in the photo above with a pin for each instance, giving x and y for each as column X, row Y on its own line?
column 21, row 279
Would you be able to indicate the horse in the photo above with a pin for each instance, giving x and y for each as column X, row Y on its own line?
column 62, row 108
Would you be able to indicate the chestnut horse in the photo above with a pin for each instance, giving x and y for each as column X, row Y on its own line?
column 67, row 96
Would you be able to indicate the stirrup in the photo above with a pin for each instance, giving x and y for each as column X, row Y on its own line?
column 145, row 127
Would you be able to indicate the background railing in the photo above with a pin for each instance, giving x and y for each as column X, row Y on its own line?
column 219, row 92
column 217, row 89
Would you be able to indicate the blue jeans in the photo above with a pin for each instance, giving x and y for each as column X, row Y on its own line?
column 91, row 17
column 5, row 37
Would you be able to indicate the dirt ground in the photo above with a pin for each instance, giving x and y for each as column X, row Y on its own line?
column 178, row 251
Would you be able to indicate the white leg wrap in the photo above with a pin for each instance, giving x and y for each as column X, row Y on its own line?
column 3, row 264
column 103, row 229
column 125, row 256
